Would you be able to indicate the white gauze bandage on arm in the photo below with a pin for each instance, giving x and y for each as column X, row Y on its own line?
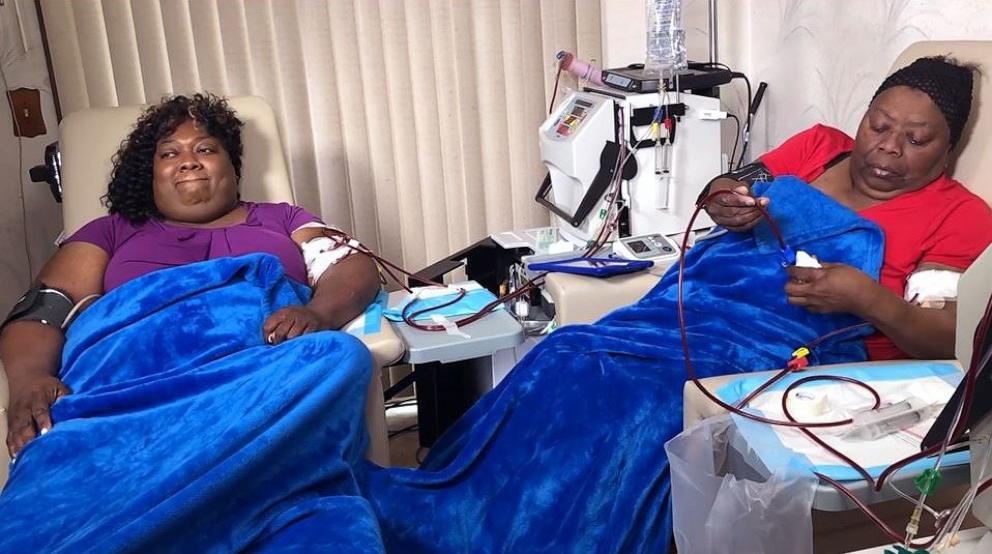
column 320, row 253
column 932, row 288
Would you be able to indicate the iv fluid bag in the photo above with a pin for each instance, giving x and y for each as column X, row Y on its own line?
column 666, row 52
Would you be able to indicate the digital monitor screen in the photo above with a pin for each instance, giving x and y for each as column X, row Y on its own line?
column 614, row 79
column 637, row 246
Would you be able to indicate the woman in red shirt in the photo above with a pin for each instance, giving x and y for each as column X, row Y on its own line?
column 893, row 173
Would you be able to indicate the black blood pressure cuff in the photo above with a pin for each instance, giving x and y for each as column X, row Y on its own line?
column 752, row 173
column 41, row 303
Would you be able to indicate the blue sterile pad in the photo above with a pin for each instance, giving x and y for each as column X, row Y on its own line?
column 370, row 322
column 474, row 300
column 932, row 381
column 597, row 267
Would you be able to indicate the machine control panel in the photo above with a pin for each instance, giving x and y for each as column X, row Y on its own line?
column 570, row 120
column 654, row 247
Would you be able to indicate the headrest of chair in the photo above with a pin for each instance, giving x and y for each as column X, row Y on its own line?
column 90, row 137
column 973, row 161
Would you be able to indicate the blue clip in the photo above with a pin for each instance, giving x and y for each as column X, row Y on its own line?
column 788, row 256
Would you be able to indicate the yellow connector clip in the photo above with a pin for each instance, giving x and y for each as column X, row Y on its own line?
column 798, row 360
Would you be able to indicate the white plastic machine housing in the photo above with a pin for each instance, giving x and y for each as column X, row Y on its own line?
column 571, row 144
column 571, row 140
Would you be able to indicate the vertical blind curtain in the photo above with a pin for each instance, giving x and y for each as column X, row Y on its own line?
column 412, row 123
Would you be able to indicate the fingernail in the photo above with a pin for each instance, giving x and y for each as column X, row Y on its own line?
column 271, row 338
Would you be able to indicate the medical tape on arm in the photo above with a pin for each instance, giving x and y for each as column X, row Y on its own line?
column 932, row 288
column 320, row 253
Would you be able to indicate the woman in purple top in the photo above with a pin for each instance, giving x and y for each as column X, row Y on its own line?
column 173, row 200
column 205, row 415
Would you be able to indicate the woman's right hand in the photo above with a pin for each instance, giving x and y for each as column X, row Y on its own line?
column 31, row 397
column 736, row 212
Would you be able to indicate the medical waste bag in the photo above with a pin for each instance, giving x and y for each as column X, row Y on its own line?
column 722, row 504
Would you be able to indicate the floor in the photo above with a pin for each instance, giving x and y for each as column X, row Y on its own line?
column 404, row 446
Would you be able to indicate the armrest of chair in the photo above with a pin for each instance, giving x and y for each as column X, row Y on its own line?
column 386, row 348
column 583, row 299
column 696, row 407
column 385, row 345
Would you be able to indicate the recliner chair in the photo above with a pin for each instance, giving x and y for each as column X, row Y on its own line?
column 88, row 140
column 581, row 300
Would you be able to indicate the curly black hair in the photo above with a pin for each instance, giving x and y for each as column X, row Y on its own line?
column 129, row 192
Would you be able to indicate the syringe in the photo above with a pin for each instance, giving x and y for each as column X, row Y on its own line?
column 872, row 424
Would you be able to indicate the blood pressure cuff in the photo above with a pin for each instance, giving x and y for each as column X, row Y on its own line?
column 41, row 303
column 751, row 173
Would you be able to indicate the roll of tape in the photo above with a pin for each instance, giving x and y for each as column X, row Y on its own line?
column 807, row 403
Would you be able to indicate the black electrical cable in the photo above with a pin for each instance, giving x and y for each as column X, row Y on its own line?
column 737, row 138
column 717, row 65
column 402, row 431
column 554, row 93
column 747, row 123
column 401, row 404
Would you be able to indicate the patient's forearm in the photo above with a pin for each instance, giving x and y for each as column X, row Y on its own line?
column 920, row 332
column 345, row 290
column 29, row 349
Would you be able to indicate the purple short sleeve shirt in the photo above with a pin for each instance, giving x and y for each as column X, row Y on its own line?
column 138, row 249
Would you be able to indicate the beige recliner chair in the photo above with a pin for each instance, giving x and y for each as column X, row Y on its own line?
column 581, row 300
column 972, row 166
column 88, row 140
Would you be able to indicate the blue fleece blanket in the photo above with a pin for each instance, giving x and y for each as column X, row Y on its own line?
column 567, row 453
column 185, row 432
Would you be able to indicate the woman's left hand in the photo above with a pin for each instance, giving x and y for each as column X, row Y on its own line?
column 832, row 289
column 291, row 322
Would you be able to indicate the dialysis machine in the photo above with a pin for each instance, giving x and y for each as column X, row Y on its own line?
column 620, row 155
column 669, row 144
column 626, row 162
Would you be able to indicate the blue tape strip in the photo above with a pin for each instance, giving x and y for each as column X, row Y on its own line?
column 759, row 433
column 373, row 314
column 471, row 303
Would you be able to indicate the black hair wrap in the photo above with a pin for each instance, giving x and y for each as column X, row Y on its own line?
column 947, row 83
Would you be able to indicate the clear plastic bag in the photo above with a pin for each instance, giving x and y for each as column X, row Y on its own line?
column 666, row 52
column 722, row 505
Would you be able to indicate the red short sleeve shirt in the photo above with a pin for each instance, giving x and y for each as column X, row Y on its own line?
column 941, row 223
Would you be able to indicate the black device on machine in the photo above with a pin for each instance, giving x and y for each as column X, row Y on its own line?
column 633, row 78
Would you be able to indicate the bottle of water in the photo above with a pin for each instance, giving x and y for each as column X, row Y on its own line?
column 666, row 52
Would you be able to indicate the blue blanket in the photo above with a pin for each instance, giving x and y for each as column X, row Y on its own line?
column 185, row 432
column 567, row 453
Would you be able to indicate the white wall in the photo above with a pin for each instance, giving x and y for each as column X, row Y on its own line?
column 30, row 220
column 822, row 59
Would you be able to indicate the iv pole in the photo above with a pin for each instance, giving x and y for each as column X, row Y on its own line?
column 712, row 30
